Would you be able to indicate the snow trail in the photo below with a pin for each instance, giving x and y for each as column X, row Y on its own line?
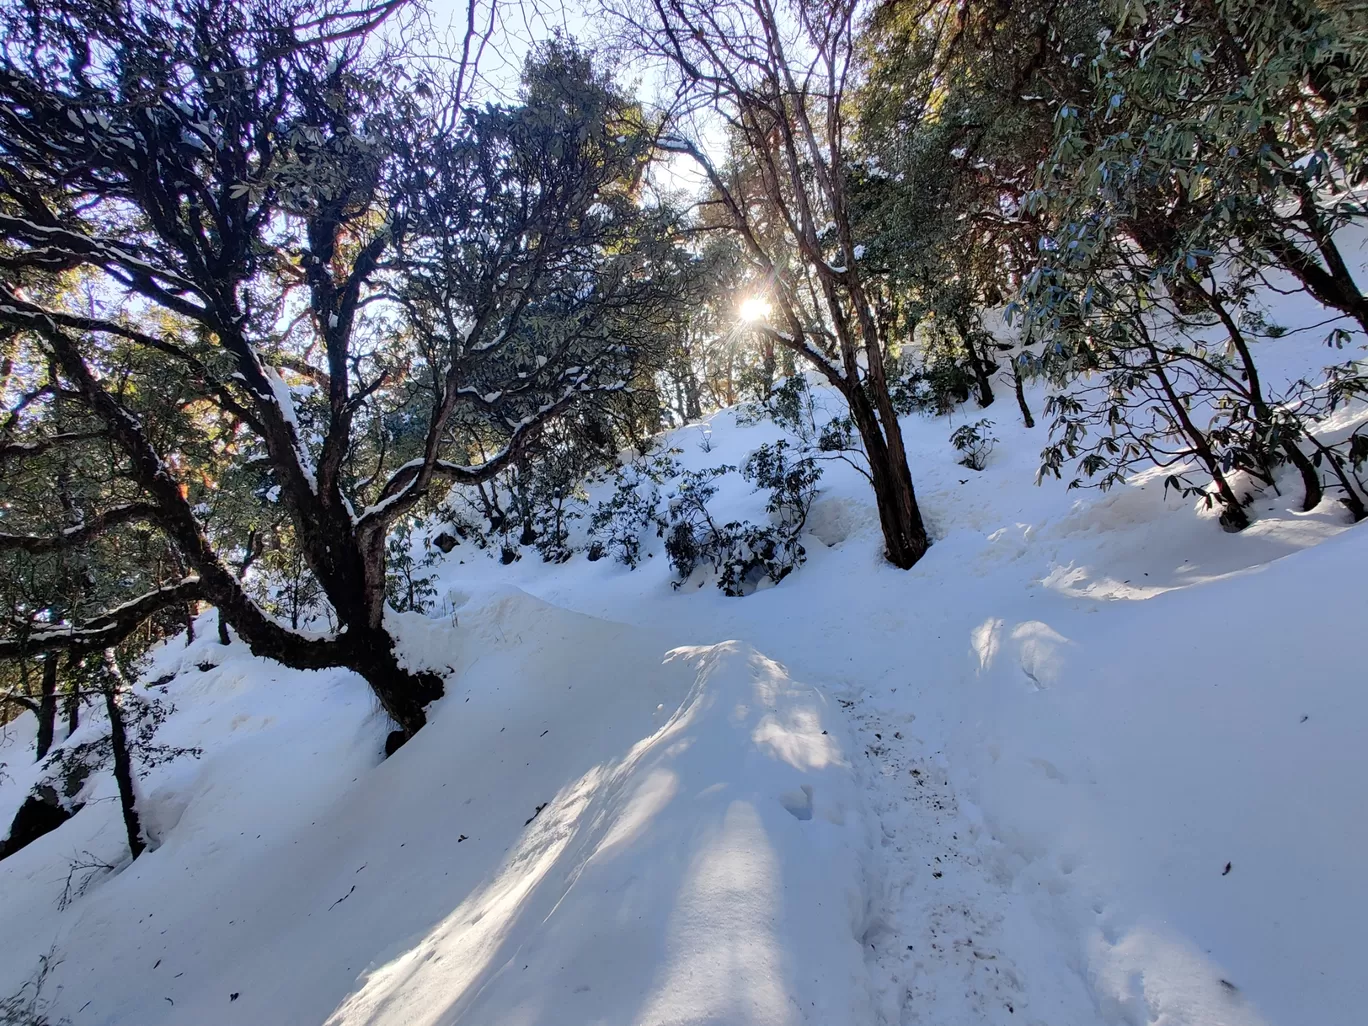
column 1007, row 786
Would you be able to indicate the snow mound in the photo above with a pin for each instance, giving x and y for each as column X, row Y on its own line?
column 1162, row 795
column 596, row 826
column 676, row 880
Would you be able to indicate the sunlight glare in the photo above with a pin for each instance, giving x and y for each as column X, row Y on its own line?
column 754, row 308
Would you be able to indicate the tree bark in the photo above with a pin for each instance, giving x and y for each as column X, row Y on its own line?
column 693, row 402
column 402, row 693
column 985, row 384
column 1312, row 491
column 1233, row 516
column 899, row 513
column 1352, row 500
column 123, row 762
column 73, row 707
column 1021, row 396
column 905, row 539
column 977, row 363
column 47, row 706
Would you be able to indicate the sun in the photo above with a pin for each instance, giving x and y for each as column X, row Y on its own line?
column 754, row 308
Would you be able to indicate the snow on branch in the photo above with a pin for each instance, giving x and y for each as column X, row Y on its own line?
column 79, row 534
column 105, row 630
column 104, row 253
column 407, row 484
column 37, row 446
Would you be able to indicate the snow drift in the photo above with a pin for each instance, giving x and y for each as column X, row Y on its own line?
column 594, row 828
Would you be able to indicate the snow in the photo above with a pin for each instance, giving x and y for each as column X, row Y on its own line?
column 683, row 789
column 1002, row 787
column 280, row 393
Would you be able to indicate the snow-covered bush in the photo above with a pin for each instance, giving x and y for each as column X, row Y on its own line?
column 791, row 406
column 619, row 522
column 741, row 553
column 936, row 389
column 70, row 765
column 692, row 536
column 791, row 479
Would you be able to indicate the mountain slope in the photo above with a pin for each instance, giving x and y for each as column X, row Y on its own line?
column 1002, row 787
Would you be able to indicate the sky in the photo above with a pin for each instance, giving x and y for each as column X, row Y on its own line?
column 521, row 24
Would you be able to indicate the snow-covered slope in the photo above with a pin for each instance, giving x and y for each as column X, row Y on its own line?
column 1003, row 787
column 593, row 828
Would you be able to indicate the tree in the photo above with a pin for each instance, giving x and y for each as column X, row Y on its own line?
column 776, row 78
column 59, row 477
column 345, row 268
column 954, row 110
column 1210, row 148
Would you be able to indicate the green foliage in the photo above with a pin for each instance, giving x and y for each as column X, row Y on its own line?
column 407, row 588
column 953, row 115
column 976, row 442
column 790, row 406
column 937, row 390
column 692, row 537
column 620, row 521
column 791, row 480
column 143, row 716
column 740, row 553
column 1212, row 144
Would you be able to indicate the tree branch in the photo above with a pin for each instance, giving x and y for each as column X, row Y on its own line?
column 79, row 534
column 105, row 630
column 20, row 700
column 38, row 446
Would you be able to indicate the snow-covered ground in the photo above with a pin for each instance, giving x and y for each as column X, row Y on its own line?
column 1093, row 760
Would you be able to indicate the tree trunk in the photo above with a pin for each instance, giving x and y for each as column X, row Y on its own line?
column 40, row 814
column 1021, row 396
column 402, row 693
column 681, row 405
column 985, row 385
column 1352, row 501
column 1233, row 517
column 977, row 363
column 692, row 400
column 47, row 705
column 73, row 706
column 123, row 763
column 905, row 539
column 1311, row 483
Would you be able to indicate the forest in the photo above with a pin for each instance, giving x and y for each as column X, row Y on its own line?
column 311, row 310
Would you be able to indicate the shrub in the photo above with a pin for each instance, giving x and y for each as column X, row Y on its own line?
column 619, row 522
column 976, row 441
column 741, row 553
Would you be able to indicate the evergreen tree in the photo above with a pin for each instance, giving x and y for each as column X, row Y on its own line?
column 341, row 270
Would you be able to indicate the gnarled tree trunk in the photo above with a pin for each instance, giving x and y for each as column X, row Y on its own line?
column 905, row 539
